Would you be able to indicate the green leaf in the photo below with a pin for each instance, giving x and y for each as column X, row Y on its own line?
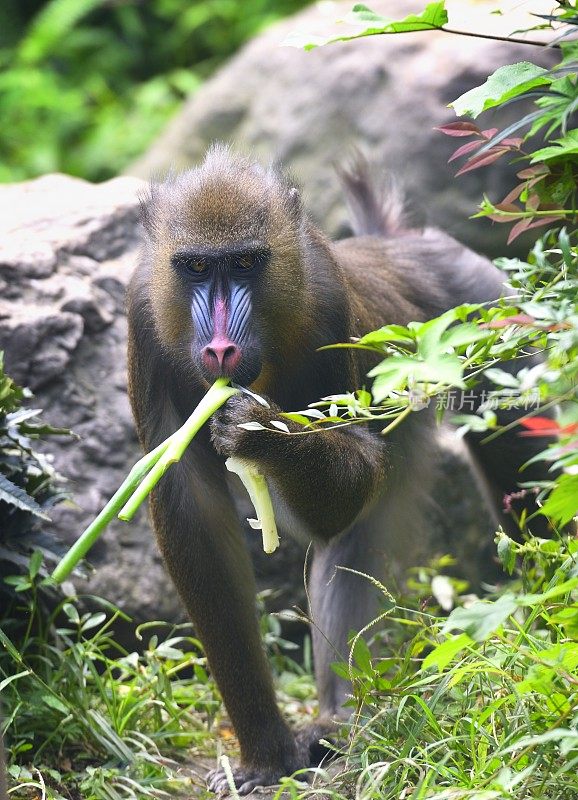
column 300, row 419
column 12, row 650
column 566, row 146
column 363, row 397
column 440, row 368
column 501, row 377
column 371, row 24
column 341, row 669
column 390, row 375
column 464, row 334
column 432, row 17
column 10, row 678
column 92, row 621
column 470, row 422
column 55, row 703
column 556, row 591
column 562, row 503
column 507, row 553
column 35, row 563
column 388, row 333
column 362, row 656
column 392, row 364
column 16, row 496
column 445, row 652
column 55, row 21
column 502, row 85
column 555, row 735
column 251, row 426
column 429, row 333
column 481, row 619
column 71, row 612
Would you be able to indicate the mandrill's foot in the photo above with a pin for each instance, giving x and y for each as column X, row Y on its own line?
column 246, row 778
column 309, row 745
column 310, row 753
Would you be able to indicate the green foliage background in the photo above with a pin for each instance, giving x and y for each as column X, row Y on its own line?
column 85, row 85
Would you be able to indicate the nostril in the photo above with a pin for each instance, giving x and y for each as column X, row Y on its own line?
column 221, row 355
column 229, row 354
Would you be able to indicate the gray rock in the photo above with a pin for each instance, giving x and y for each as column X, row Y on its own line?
column 384, row 94
column 67, row 249
column 38, row 342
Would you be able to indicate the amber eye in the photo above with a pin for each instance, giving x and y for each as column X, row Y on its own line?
column 246, row 261
column 197, row 266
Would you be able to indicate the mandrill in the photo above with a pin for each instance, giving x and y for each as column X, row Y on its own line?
column 236, row 281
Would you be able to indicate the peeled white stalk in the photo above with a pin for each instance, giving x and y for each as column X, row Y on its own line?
column 256, row 485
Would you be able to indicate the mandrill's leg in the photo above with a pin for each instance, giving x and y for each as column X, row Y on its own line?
column 388, row 538
column 341, row 603
column 204, row 551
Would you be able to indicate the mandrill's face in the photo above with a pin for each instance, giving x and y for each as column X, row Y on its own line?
column 221, row 283
column 227, row 277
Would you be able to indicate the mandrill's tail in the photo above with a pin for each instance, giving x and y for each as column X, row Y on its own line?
column 376, row 210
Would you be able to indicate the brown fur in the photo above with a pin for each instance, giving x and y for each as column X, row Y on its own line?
column 350, row 490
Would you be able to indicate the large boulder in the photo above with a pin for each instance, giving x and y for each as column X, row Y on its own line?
column 384, row 94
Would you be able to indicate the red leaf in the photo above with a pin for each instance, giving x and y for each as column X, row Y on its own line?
column 531, row 172
column 515, row 319
column 533, row 181
column 487, row 134
column 514, row 194
column 526, row 225
column 559, row 326
column 539, row 423
column 458, row 129
column 482, row 160
column 465, row 148
column 515, row 142
column 519, row 228
column 543, row 426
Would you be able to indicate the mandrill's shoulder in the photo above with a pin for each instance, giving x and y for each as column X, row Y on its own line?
column 379, row 276
column 421, row 272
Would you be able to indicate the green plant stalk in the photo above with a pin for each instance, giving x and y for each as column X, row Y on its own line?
column 218, row 394
column 146, row 473
column 111, row 509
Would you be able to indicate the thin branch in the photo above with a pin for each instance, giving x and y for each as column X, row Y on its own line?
column 496, row 38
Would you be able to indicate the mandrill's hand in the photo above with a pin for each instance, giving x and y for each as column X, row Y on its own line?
column 230, row 440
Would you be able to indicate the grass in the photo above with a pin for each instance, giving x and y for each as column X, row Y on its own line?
column 88, row 720
column 481, row 704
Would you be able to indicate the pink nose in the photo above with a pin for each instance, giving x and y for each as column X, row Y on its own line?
column 221, row 356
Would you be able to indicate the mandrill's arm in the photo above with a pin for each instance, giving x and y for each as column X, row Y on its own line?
column 326, row 478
